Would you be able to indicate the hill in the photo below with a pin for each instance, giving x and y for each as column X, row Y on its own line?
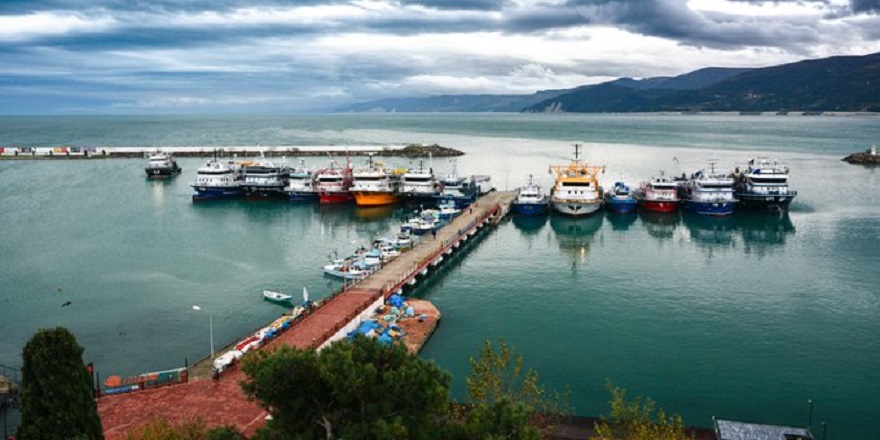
column 850, row 83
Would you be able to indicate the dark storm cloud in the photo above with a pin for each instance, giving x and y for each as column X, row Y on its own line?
column 866, row 5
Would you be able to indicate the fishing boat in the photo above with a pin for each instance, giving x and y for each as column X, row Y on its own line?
column 708, row 192
column 218, row 180
column 660, row 194
column 161, row 165
column 334, row 184
column 418, row 185
column 447, row 210
column 763, row 185
column 301, row 184
column 277, row 297
column 620, row 199
column 576, row 191
column 426, row 221
column 374, row 186
column 348, row 269
column 531, row 199
column 264, row 179
column 455, row 188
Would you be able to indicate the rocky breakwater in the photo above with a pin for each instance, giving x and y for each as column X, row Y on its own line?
column 867, row 157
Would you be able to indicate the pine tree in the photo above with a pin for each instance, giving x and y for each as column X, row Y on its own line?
column 56, row 390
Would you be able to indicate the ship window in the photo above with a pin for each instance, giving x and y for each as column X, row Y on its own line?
column 576, row 184
column 766, row 180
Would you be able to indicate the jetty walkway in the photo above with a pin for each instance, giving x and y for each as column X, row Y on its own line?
column 221, row 401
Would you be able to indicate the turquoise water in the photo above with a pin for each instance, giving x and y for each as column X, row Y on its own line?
column 743, row 318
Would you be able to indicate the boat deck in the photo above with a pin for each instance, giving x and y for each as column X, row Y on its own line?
column 221, row 402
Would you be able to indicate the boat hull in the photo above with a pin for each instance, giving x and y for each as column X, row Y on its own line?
column 717, row 209
column 208, row 193
column 372, row 198
column 659, row 205
column 530, row 208
column 162, row 172
column 764, row 202
column 621, row 206
column 302, row 196
column 330, row 198
column 576, row 208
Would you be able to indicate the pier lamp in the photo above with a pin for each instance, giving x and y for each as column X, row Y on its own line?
column 210, row 327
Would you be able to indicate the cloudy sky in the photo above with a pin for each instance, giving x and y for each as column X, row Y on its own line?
column 274, row 56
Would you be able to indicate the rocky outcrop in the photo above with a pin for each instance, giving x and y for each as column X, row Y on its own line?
column 868, row 157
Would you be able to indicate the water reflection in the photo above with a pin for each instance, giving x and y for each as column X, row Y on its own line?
column 660, row 225
column 763, row 232
column 374, row 213
column 529, row 224
column 716, row 231
column 574, row 235
column 621, row 222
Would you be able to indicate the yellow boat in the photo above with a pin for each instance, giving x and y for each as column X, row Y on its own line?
column 374, row 186
column 577, row 191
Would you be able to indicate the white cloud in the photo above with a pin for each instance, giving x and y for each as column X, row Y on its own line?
column 23, row 27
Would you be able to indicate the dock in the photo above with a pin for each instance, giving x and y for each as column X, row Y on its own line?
column 221, row 402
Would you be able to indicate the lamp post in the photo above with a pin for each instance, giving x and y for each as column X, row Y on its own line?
column 210, row 327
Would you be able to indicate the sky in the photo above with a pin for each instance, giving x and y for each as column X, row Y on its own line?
column 272, row 56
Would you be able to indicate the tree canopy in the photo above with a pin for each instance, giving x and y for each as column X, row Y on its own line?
column 356, row 389
column 56, row 390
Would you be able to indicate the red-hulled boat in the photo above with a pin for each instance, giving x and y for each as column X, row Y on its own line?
column 333, row 184
column 660, row 194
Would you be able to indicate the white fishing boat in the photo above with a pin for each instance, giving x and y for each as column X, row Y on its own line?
column 576, row 191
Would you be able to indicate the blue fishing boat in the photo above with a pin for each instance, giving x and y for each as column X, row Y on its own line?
column 218, row 180
column 709, row 192
column 620, row 199
column 301, row 184
column 531, row 199
column 455, row 188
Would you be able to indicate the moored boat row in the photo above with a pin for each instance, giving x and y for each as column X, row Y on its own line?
column 762, row 185
column 373, row 184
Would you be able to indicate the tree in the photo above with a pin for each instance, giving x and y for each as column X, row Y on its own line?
column 501, row 377
column 639, row 419
column 160, row 429
column 56, row 390
column 356, row 389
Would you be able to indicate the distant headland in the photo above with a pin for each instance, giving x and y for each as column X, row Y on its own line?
column 69, row 152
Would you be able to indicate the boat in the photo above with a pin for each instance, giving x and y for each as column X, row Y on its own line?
column 374, row 186
column 620, row 199
column 277, row 297
column 660, row 194
column 301, row 184
column 418, row 184
column 708, row 192
column 263, row 179
column 334, row 184
column 531, row 199
column 455, row 188
column 218, row 180
column 576, row 191
column 447, row 209
column 349, row 269
column 160, row 165
column 763, row 185
column 426, row 221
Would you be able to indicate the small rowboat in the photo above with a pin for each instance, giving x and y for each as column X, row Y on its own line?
column 277, row 297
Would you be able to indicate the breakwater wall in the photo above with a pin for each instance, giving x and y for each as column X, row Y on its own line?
column 75, row 152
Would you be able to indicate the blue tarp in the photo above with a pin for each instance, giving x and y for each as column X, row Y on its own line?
column 396, row 300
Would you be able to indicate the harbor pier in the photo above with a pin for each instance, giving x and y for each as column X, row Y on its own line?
column 221, row 401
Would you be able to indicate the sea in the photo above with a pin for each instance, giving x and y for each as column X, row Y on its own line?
column 743, row 318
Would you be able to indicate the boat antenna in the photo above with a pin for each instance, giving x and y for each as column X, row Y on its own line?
column 577, row 148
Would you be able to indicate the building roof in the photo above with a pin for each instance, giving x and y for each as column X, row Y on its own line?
column 733, row 430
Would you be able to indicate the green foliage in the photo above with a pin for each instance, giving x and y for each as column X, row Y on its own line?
column 499, row 376
column 639, row 419
column 502, row 419
column 56, row 391
column 355, row 389
column 160, row 429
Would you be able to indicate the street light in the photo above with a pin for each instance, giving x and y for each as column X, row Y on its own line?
column 210, row 327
